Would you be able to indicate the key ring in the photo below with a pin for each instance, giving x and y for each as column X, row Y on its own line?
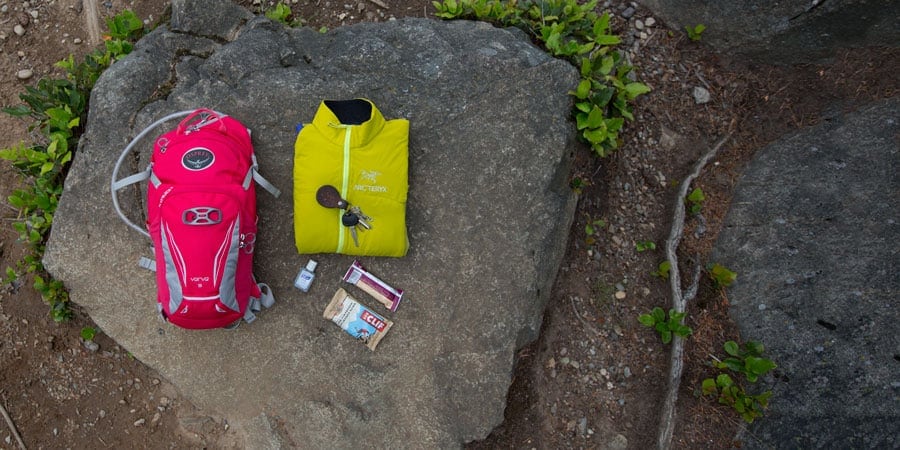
column 248, row 242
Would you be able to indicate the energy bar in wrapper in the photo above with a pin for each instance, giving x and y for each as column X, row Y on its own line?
column 358, row 276
column 358, row 321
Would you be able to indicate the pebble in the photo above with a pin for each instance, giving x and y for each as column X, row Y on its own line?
column 19, row 30
column 90, row 345
column 701, row 95
column 650, row 21
column 628, row 12
column 25, row 74
column 620, row 295
column 639, row 24
column 139, row 422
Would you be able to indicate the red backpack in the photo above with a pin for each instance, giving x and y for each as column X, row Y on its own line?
column 201, row 217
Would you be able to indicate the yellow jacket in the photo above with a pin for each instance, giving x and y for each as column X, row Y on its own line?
column 350, row 145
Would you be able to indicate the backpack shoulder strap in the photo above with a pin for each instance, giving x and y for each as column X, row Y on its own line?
column 254, row 175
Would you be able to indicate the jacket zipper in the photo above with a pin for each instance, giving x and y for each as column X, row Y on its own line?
column 345, row 182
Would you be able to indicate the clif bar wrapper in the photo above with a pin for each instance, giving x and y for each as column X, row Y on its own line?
column 358, row 276
column 358, row 321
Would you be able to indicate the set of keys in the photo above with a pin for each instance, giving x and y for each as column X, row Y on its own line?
column 353, row 218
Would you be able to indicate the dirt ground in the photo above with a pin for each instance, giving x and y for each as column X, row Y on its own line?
column 594, row 379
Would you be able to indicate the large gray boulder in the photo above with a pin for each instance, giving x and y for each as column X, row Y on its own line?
column 489, row 210
column 813, row 234
column 785, row 32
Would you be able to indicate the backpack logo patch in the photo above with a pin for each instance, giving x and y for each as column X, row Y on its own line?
column 198, row 158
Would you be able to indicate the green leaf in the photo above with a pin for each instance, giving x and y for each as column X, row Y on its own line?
column 586, row 67
column 759, row 366
column 607, row 39
column 658, row 314
column 734, row 364
column 595, row 118
column 595, row 136
column 601, row 25
column 754, row 348
column 583, row 90
column 46, row 167
column 696, row 196
column 666, row 336
column 663, row 270
column 731, row 348
column 723, row 380
column 709, row 387
column 632, row 90
column 606, row 65
column 646, row 320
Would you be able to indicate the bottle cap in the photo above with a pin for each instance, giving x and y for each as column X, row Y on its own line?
column 311, row 265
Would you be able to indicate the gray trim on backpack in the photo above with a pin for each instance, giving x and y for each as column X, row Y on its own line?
column 227, row 293
column 176, row 295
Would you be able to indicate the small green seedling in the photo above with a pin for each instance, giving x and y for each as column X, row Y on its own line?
column 666, row 327
column 643, row 246
column 722, row 277
column 662, row 270
column 695, row 32
column 695, row 201
column 282, row 13
column 593, row 229
column 577, row 184
column 88, row 333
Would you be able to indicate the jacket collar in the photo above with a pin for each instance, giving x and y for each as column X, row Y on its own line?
column 360, row 116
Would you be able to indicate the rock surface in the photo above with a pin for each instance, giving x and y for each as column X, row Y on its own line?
column 812, row 235
column 785, row 32
column 488, row 212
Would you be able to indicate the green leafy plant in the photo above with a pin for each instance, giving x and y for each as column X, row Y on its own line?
column 662, row 270
column 281, row 12
column 666, row 327
column 748, row 360
column 56, row 108
column 722, row 277
column 88, row 333
column 11, row 276
column 749, row 406
column 695, row 32
column 695, row 201
column 577, row 184
column 592, row 229
column 574, row 32
column 643, row 246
